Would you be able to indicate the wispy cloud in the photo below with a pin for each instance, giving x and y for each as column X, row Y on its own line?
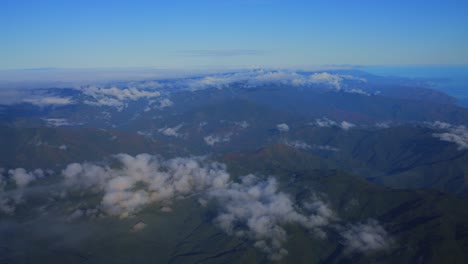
column 223, row 53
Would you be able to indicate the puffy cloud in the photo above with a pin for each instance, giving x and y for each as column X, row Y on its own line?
column 144, row 179
column 325, row 122
column 63, row 147
column 138, row 227
column 121, row 94
column 452, row 133
column 165, row 103
column 282, row 127
column 298, row 144
column 22, row 178
column 252, row 208
column 366, row 237
column 242, row 124
column 212, row 140
column 115, row 97
column 262, row 77
column 346, row 125
column 255, row 209
column 170, row 131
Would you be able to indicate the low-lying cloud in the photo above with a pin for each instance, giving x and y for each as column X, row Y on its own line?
column 452, row 133
column 251, row 207
column 16, row 181
column 325, row 122
column 212, row 140
column 114, row 96
column 366, row 237
column 282, row 127
column 170, row 131
column 255, row 209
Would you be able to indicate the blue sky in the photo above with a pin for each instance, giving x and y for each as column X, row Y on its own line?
column 243, row 33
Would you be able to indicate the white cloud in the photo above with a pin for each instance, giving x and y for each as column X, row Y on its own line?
column 144, row 179
column 366, row 237
column 21, row 179
column 56, row 122
column 346, row 125
column 45, row 101
column 115, row 97
column 242, row 124
column 325, row 122
column 212, row 140
column 255, row 209
column 357, row 91
column 63, row 147
column 282, row 127
column 252, row 208
column 383, row 125
column 326, row 147
column 454, row 134
column 170, row 131
column 165, row 103
column 298, row 144
column 262, row 77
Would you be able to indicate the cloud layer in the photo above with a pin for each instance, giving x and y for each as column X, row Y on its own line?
column 250, row 207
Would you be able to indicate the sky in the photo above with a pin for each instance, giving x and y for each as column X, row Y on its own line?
column 224, row 33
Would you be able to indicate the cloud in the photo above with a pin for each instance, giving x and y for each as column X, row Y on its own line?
column 251, row 208
column 223, row 53
column 242, row 124
column 326, row 148
column 261, row 77
column 212, row 140
column 255, row 209
column 138, row 227
column 144, row 179
column 282, row 127
column 346, row 125
column 46, row 101
column 325, row 122
column 298, row 144
column 454, row 134
column 383, row 125
column 366, row 237
column 21, row 179
column 63, row 147
column 165, row 103
column 357, row 91
column 170, row 131
column 56, row 122
column 114, row 96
